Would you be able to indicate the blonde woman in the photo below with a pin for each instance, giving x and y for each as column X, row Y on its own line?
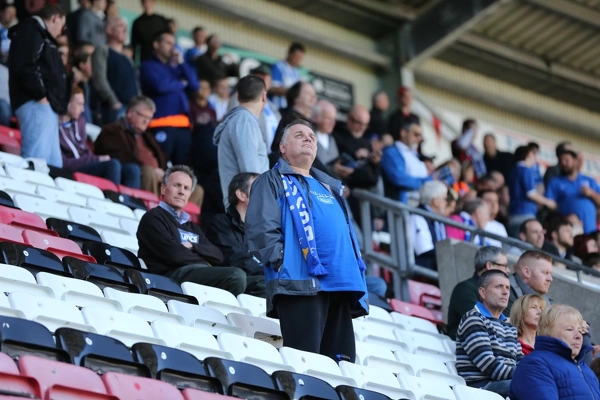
column 555, row 370
column 525, row 315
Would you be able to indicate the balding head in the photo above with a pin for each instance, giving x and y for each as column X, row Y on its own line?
column 324, row 114
column 358, row 120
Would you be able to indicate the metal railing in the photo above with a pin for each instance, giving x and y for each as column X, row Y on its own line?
column 401, row 260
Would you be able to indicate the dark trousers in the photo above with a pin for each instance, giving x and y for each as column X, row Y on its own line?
column 175, row 143
column 125, row 174
column 319, row 324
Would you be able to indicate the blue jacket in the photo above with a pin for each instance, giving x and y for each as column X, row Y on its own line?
column 397, row 181
column 549, row 372
column 273, row 240
column 167, row 86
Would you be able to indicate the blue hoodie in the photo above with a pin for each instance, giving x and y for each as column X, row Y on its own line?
column 550, row 373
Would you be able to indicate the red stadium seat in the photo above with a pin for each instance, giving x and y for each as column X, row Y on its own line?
column 139, row 194
column 10, row 233
column 24, row 219
column 193, row 394
column 193, row 210
column 415, row 310
column 7, row 365
column 101, row 183
column 56, row 245
column 425, row 294
column 62, row 381
column 12, row 384
column 128, row 387
column 10, row 140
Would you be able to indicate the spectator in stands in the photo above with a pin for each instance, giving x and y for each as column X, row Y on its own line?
column 584, row 245
column 38, row 83
column 199, row 37
column 285, row 74
column 524, row 198
column 536, row 166
column 7, row 20
column 380, row 105
column 490, row 197
column 403, row 113
column 73, row 19
column 144, row 30
column 525, row 315
column 172, row 27
column 315, row 295
column 463, row 148
column 114, row 78
column 466, row 180
column 532, row 232
column 495, row 160
column 554, row 171
column 475, row 213
column 533, row 275
column 592, row 260
column 5, row 109
column 556, row 369
column 204, row 121
column 172, row 245
column 211, row 65
column 487, row 347
column 219, row 99
column 465, row 294
column 90, row 27
column 112, row 10
column 559, row 239
column 77, row 156
column 425, row 232
column 324, row 115
column 574, row 192
column 241, row 147
column 168, row 81
column 82, row 64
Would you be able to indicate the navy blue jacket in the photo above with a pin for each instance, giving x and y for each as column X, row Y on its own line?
column 550, row 372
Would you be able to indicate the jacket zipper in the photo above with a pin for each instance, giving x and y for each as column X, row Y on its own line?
column 585, row 380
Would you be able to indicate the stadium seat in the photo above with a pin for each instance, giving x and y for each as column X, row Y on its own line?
column 124, row 241
column 13, row 186
column 417, row 324
column 125, row 327
column 252, row 351
column 6, row 200
column 159, row 286
column 100, row 275
column 139, row 213
column 420, row 343
column 111, row 255
column 7, row 310
column 416, row 311
column 372, row 333
column 101, row 183
column 109, row 207
column 19, row 336
column 29, row 176
column 135, row 387
column 373, row 355
column 10, row 140
column 147, row 307
column 59, row 246
column 243, row 380
column 51, row 313
column 125, row 199
column 80, row 188
column 43, row 208
column 429, row 368
column 143, row 195
column 463, row 392
column 193, row 394
column 216, row 298
column 258, row 328
column 423, row 388
column 23, row 219
column 99, row 353
column 95, row 219
column 256, row 305
column 195, row 341
column 376, row 379
column 32, row 259
column 193, row 210
column 12, row 384
column 300, row 386
column 352, row 393
column 175, row 366
column 18, row 279
column 424, row 294
column 11, row 234
column 72, row 230
column 316, row 365
column 60, row 196
column 204, row 318
column 77, row 291
column 130, row 225
column 12, row 159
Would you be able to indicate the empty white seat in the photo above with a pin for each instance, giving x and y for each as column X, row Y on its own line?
column 51, row 313
column 129, row 225
column 76, row 291
column 462, row 392
column 372, row 333
column 216, row 298
column 17, row 279
column 122, row 240
column 14, row 186
column 60, row 196
column 95, row 219
column 373, row 355
column 12, row 159
column 139, row 213
column 7, row 310
column 147, row 307
column 127, row 328
column 425, row 389
column 253, row 351
column 376, row 379
column 316, row 365
column 80, row 188
column 195, row 341
column 429, row 368
column 43, row 208
column 108, row 207
column 27, row 175
column 409, row 323
column 421, row 343
column 256, row 305
column 258, row 328
column 208, row 319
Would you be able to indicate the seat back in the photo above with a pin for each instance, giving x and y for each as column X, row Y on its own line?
column 72, row 230
column 10, row 233
column 32, row 259
column 252, row 351
column 101, row 183
column 19, row 336
column 59, row 246
column 125, row 199
column 257, row 305
column 300, row 386
column 41, row 207
column 58, row 195
column 143, row 195
column 24, row 219
column 101, row 275
column 377, row 379
column 26, row 175
column 123, row 241
column 423, row 387
column 110, row 255
column 6, row 200
column 135, row 387
column 80, row 188
column 411, row 323
column 127, row 328
column 159, row 286
column 195, row 341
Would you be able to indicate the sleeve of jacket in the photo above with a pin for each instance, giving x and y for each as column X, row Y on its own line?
column 394, row 169
column 155, row 83
column 220, row 233
column 107, row 142
column 205, row 249
column 25, row 55
column 191, row 78
column 246, row 146
column 533, row 380
column 99, row 78
column 263, row 222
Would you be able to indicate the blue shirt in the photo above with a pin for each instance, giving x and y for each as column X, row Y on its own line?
column 182, row 217
column 521, row 182
column 283, row 75
column 570, row 200
column 334, row 245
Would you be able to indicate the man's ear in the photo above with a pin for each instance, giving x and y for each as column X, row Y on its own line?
column 481, row 292
column 162, row 189
column 241, row 195
column 281, row 148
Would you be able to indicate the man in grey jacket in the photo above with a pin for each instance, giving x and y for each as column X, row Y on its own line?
column 90, row 27
column 241, row 147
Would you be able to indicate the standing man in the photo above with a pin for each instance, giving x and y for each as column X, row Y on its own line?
column 144, row 30
column 286, row 73
column 199, row 36
column 487, row 347
column 496, row 160
column 402, row 113
column 463, row 148
column 380, row 105
column 297, row 225
column 324, row 114
column 241, row 147
column 38, row 83
column 90, row 27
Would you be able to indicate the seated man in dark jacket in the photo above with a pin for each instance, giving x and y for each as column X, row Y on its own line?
column 170, row 244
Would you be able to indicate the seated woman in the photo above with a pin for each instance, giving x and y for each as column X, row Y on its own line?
column 525, row 315
column 475, row 213
column 556, row 370
column 77, row 156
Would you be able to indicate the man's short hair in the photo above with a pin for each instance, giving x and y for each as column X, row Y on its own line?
column 533, row 146
column 481, row 194
column 486, row 254
column 485, row 279
column 472, row 205
column 296, row 46
column 240, row 182
column 180, row 168
column 250, row 88
column 197, row 29
column 297, row 121
column 467, row 124
column 523, row 226
column 293, row 93
column 561, row 147
column 522, row 152
column 80, row 57
column 50, row 10
column 432, row 190
column 408, row 122
column 141, row 100
column 159, row 36
column 529, row 256
column 555, row 224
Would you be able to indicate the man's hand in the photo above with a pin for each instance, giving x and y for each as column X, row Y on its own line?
column 43, row 101
column 103, row 158
column 587, row 191
column 551, row 204
column 160, row 173
column 361, row 153
column 117, row 106
column 341, row 170
column 187, row 244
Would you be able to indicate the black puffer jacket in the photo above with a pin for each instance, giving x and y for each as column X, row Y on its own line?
column 35, row 67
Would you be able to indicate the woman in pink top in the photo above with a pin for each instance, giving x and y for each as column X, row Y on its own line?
column 525, row 315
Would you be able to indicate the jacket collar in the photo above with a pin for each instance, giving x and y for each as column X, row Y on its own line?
column 486, row 313
column 559, row 347
column 235, row 217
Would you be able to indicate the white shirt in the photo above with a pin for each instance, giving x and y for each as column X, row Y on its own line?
column 220, row 105
column 421, row 236
column 323, row 140
column 414, row 167
column 496, row 228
